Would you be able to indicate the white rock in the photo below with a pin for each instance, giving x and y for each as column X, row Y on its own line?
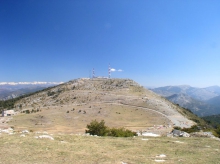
column 9, row 130
column 47, row 137
column 22, row 135
column 144, row 139
column 25, row 131
column 123, row 163
column 178, row 142
column 159, row 160
column 150, row 134
column 161, row 156
column 64, row 142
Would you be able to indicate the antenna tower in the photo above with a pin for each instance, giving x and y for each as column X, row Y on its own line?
column 109, row 71
column 93, row 73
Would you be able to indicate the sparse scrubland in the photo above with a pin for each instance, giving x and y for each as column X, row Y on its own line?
column 120, row 102
column 69, row 110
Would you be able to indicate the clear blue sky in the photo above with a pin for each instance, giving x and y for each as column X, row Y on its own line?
column 154, row 42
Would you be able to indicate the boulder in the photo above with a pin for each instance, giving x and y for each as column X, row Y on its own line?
column 179, row 133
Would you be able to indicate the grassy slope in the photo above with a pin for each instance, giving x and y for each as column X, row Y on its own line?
column 86, row 149
column 55, row 117
column 53, row 107
column 214, row 120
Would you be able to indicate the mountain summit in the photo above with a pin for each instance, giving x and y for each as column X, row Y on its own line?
column 71, row 106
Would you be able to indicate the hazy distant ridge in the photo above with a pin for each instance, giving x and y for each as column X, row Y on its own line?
column 200, row 108
column 196, row 93
column 201, row 101
column 29, row 83
column 9, row 90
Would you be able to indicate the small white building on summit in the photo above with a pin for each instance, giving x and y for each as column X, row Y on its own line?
column 8, row 113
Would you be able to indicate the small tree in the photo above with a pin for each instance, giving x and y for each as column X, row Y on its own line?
column 97, row 128
column 27, row 112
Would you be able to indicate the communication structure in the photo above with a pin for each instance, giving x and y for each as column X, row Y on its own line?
column 102, row 77
column 109, row 71
column 93, row 73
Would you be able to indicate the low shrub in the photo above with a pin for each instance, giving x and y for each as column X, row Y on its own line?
column 121, row 132
column 49, row 93
column 99, row 129
column 192, row 129
column 177, row 128
column 27, row 112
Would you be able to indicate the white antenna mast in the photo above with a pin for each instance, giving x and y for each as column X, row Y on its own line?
column 93, row 73
column 109, row 71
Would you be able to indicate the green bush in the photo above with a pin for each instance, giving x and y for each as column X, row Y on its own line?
column 121, row 132
column 99, row 129
column 177, row 128
column 193, row 128
column 27, row 112
column 49, row 93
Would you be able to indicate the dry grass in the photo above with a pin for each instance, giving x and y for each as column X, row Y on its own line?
column 92, row 150
column 56, row 119
column 99, row 102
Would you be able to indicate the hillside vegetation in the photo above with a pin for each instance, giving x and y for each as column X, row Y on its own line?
column 214, row 120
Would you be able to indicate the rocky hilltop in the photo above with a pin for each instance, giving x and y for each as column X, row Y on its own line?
column 69, row 107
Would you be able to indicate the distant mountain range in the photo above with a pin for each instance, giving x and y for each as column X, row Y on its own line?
column 214, row 101
column 9, row 90
column 29, row 83
column 201, row 101
column 198, row 107
column 196, row 93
